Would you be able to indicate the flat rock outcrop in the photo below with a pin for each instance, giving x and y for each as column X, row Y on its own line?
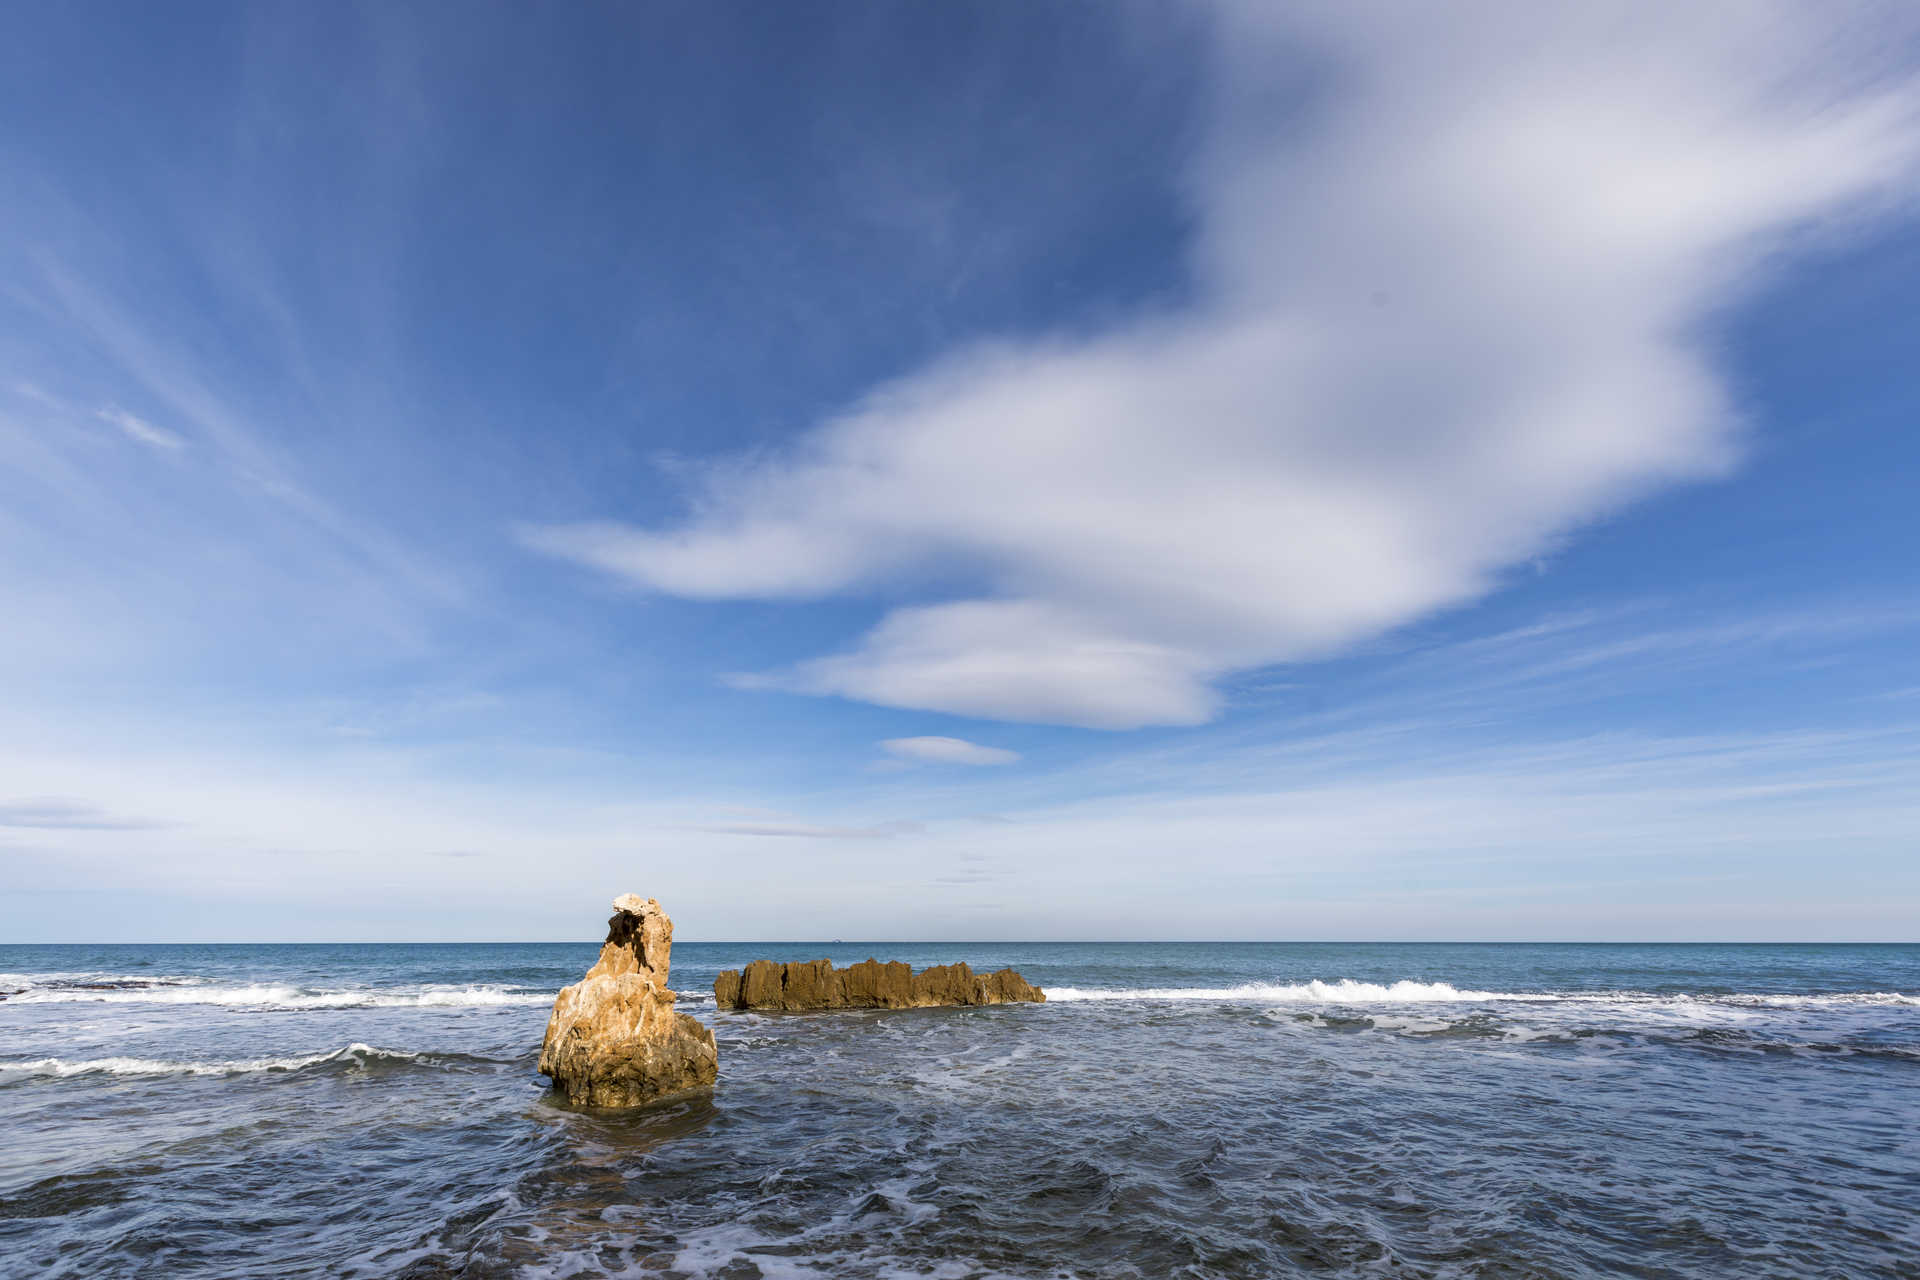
column 806, row 985
column 614, row 1039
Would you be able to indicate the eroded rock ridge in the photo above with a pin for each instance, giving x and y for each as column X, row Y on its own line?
column 804, row 985
column 614, row 1039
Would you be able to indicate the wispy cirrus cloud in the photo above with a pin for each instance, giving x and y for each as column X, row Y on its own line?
column 141, row 431
column 1447, row 308
column 939, row 750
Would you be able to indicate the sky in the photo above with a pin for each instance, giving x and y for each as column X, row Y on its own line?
column 967, row 471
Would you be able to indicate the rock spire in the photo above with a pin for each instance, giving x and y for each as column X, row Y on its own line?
column 614, row 1039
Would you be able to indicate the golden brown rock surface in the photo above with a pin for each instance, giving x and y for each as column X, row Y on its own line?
column 614, row 1039
column 805, row 985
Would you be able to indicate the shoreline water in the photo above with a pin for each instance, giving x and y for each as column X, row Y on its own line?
column 1203, row 1109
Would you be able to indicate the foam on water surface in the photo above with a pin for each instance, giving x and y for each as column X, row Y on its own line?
column 353, row 1054
column 1340, row 991
column 275, row 995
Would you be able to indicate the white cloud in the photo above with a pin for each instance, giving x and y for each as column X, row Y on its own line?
column 947, row 751
column 1449, row 299
column 142, row 431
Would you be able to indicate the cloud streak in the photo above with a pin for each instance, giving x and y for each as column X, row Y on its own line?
column 810, row 830
column 141, row 431
column 1447, row 310
column 54, row 814
column 936, row 750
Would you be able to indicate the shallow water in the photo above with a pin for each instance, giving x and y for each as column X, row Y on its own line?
column 1174, row 1110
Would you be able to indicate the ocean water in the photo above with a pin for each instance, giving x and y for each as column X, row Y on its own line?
column 1192, row 1110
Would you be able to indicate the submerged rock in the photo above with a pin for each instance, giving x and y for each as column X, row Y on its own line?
column 614, row 1039
column 804, row 985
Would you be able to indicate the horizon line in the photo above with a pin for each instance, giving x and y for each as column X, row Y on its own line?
column 1017, row 942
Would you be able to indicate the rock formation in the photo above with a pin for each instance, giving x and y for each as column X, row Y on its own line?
column 614, row 1039
column 816, row 984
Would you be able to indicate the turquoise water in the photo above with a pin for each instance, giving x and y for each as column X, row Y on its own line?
column 1174, row 1110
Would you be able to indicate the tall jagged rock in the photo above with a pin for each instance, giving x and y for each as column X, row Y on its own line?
column 614, row 1039
column 806, row 985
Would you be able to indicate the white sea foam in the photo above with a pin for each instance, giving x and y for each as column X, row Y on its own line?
column 1811, row 1001
column 1346, row 991
column 1343, row 991
column 98, row 979
column 360, row 1054
column 281, row 996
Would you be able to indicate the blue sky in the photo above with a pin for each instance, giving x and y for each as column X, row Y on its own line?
column 959, row 471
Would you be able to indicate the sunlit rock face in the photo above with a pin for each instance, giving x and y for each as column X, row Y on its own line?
column 614, row 1039
column 800, row 986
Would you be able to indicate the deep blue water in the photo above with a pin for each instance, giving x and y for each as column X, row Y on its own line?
column 1192, row 1109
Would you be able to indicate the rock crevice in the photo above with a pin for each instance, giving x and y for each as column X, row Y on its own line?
column 614, row 1039
column 807, row 985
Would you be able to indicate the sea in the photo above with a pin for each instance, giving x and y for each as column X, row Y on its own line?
column 1172, row 1110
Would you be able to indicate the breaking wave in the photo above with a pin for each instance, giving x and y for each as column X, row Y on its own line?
column 1347, row 991
column 1343, row 991
column 269, row 995
column 1815, row 1001
column 353, row 1056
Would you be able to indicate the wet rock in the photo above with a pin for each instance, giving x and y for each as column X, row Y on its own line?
column 614, row 1039
column 872, row 985
column 807, row 985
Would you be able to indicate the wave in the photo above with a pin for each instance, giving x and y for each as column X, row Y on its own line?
column 1342, row 991
column 359, row 1056
column 15, row 983
column 278, row 996
column 1347, row 991
column 1838, row 997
